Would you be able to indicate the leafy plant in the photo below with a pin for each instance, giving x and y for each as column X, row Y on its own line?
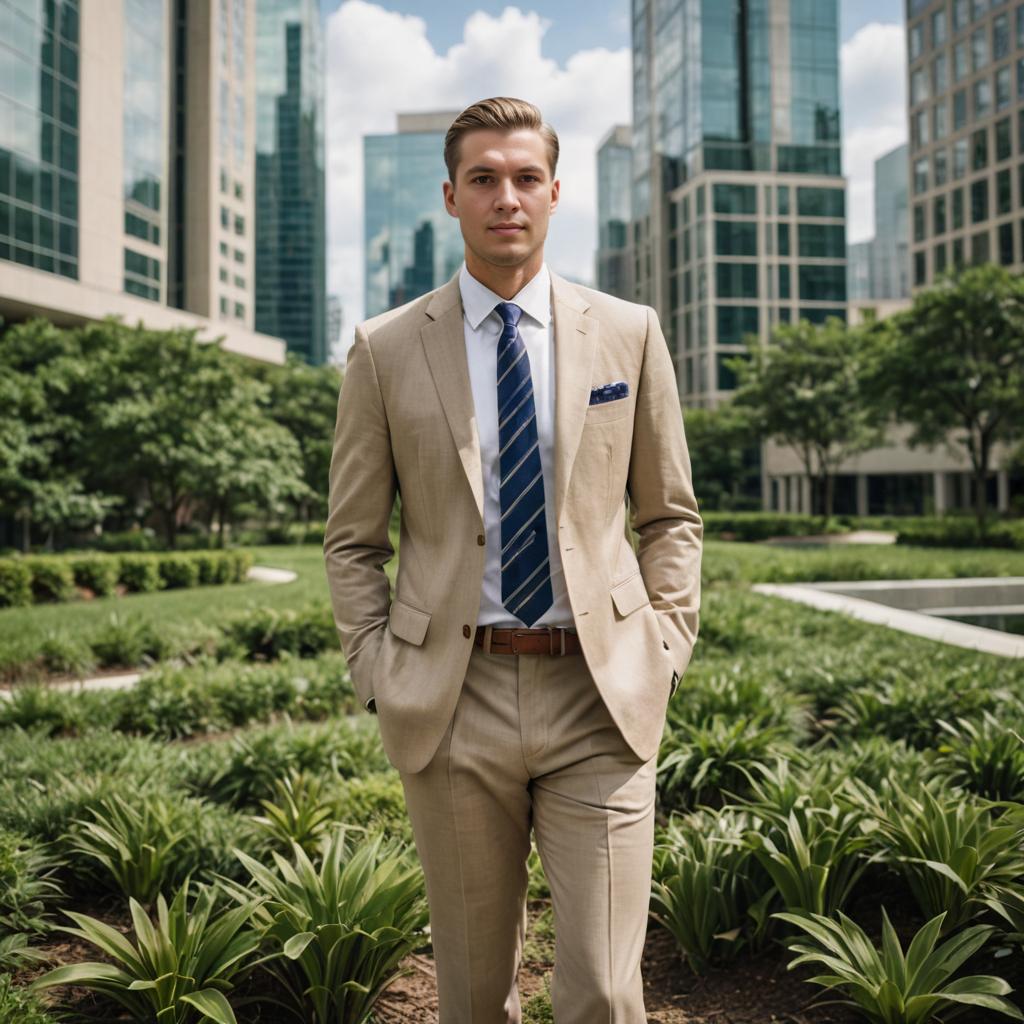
column 948, row 848
column 892, row 987
column 340, row 930
column 138, row 844
column 178, row 969
column 986, row 757
column 301, row 813
column 706, row 890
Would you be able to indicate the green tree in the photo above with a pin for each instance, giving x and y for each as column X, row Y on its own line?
column 806, row 389
column 955, row 362
column 724, row 453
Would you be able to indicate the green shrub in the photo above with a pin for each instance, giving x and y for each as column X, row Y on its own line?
column 18, row 1006
column 340, row 929
column 893, row 987
column 66, row 654
column 15, row 583
column 962, row 532
column 96, row 572
column 180, row 965
column 756, row 526
column 178, row 571
column 126, row 640
column 268, row 633
column 140, row 573
column 51, row 579
column 375, row 801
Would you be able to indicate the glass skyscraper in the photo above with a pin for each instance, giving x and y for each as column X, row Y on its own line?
column 966, row 94
column 411, row 244
column 739, row 212
column 39, row 124
column 126, row 164
column 291, row 285
column 614, row 178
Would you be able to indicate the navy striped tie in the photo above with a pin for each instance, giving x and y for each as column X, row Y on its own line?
column 525, row 568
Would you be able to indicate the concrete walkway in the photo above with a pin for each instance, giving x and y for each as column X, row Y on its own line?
column 126, row 680
column 853, row 537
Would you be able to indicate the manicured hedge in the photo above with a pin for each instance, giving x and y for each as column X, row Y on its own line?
column 41, row 578
column 754, row 526
column 962, row 532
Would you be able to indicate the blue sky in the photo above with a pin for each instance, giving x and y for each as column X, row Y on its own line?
column 572, row 59
column 583, row 24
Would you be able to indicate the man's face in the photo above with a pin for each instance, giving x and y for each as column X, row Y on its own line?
column 503, row 195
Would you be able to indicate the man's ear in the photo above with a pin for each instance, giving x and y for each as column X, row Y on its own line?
column 555, row 187
column 448, row 192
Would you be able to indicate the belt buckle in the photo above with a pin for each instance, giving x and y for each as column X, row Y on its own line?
column 551, row 640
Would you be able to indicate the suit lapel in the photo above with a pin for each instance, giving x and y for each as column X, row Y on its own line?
column 575, row 349
column 444, row 343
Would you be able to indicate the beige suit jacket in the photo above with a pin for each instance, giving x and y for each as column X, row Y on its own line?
column 406, row 422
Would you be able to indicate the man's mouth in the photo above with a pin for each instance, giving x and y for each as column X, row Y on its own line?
column 507, row 229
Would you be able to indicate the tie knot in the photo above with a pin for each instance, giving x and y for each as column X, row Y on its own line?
column 509, row 313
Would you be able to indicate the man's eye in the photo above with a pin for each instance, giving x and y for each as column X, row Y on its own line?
column 481, row 177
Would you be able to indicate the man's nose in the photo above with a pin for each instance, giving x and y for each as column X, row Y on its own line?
column 507, row 196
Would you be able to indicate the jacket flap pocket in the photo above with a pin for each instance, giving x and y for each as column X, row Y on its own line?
column 407, row 622
column 630, row 594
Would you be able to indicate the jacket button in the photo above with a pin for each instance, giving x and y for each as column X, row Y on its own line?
column 667, row 648
column 480, row 539
column 466, row 630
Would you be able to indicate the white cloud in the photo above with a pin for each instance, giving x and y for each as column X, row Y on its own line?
column 380, row 63
column 874, row 70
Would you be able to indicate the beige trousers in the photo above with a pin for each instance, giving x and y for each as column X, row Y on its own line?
column 531, row 743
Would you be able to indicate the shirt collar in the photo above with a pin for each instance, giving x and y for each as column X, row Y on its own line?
column 534, row 298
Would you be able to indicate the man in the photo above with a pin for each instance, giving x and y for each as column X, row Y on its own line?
column 521, row 673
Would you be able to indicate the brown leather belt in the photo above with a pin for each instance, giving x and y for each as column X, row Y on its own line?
column 556, row 640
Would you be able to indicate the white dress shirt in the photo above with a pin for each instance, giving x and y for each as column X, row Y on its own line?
column 483, row 329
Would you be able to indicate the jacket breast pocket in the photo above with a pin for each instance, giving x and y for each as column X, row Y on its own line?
column 408, row 622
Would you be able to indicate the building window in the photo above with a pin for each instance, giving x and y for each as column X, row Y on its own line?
column 919, row 268
column 223, row 248
column 223, row 306
column 1020, row 77
column 979, row 49
column 959, row 159
column 979, row 201
column 1004, row 147
column 958, row 253
column 1000, row 37
column 979, row 248
column 239, row 255
column 1006, row 244
column 939, row 215
column 735, row 199
column 782, row 197
column 225, row 217
column 918, row 87
column 822, row 283
column 941, row 166
column 919, row 125
column 784, row 281
column 239, row 224
column 736, row 280
column 939, row 74
column 1004, row 192
column 941, row 123
column 957, row 196
column 239, row 311
column 1003, row 87
column 939, row 258
column 239, row 192
column 959, row 14
column 920, row 175
column 735, row 238
column 821, row 202
column 959, row 61
column 959, row 109
column 939, row 27
column 224, row 181
column 979, row 149
column 916, row 36
column 239, row 281
column 919, row 228
column 821, row 241
column 982, row 97
column 1020, row 27
column 735, row 323
column 223, row 274
column 783, row 239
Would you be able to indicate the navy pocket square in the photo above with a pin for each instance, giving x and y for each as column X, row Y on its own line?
column 609, row 392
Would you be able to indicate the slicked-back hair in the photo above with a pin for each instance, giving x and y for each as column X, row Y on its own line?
column 503, row 114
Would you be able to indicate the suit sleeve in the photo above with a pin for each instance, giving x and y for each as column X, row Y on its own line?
column 362, row 492
column 663, row 506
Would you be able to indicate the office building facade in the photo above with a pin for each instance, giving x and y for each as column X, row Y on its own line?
column 614, row 261
column 890, row 275
column 966, row 104
column 739, row 210
column 291, row 244
column 110, row 160
column 411, row 244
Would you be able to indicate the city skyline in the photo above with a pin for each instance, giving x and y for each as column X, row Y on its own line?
column 451, row 58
